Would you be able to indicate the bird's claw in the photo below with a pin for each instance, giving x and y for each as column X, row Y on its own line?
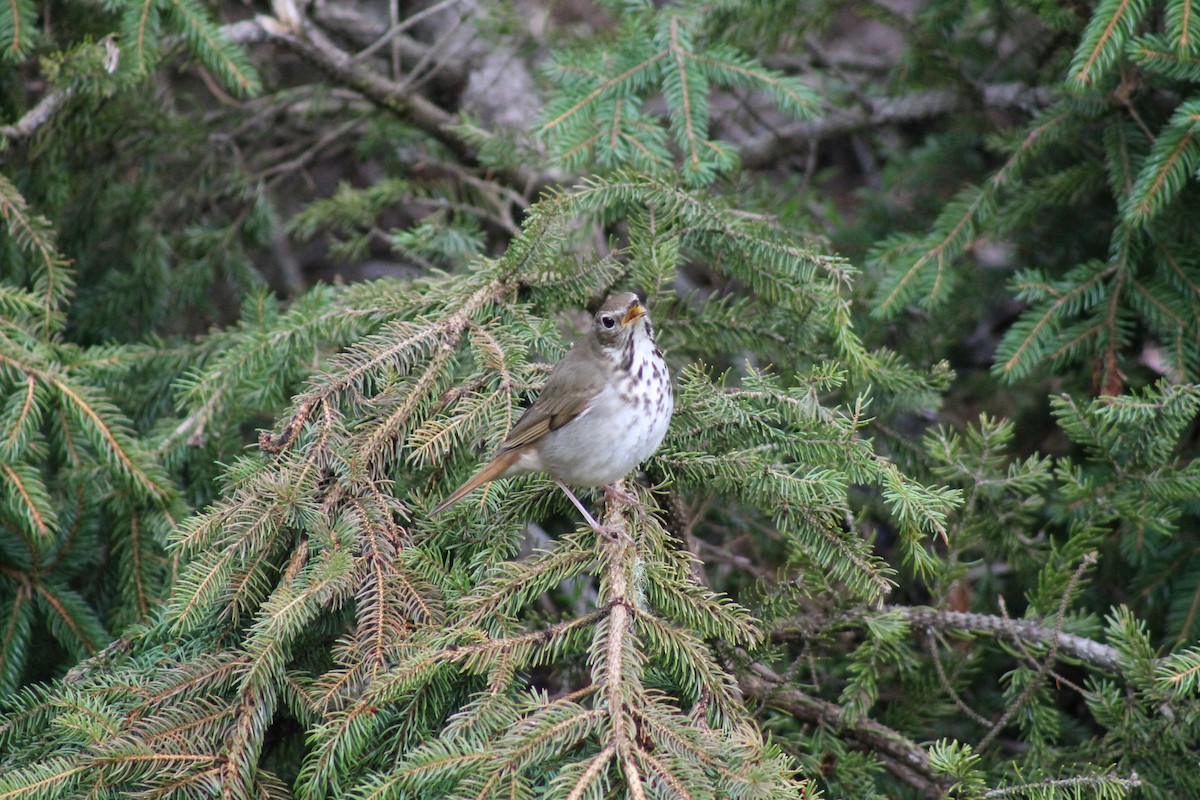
column 613, row 532
column 617, row 493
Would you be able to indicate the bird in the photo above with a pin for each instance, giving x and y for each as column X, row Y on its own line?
column 604, row 409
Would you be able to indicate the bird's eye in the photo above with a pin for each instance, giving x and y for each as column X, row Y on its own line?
column 607, row 321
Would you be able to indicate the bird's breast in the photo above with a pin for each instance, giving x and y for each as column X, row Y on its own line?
column 622, row 427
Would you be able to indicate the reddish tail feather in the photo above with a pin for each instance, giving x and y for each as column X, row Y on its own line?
column 492, row 470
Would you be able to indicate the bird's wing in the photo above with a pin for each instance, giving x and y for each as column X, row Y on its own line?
column 569, row 392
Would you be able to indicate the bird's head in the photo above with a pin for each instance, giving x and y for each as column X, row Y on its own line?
column 620, row 318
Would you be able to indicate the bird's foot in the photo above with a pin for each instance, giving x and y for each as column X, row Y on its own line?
column 617, row 493
column 613, row 532
column 608, row 531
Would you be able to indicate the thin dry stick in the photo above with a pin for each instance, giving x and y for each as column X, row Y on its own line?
column 1051, row 655
column 400, row 27
column 311, row 44
column 1032, row 661
column 950, row 690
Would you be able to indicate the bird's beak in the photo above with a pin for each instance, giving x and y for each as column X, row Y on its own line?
column 636, row 310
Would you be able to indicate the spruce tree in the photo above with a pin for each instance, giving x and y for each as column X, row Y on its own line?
column 902, row 539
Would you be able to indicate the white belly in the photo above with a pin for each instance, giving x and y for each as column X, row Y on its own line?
column 617, row 432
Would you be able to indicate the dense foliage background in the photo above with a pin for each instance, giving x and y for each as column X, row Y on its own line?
column 273, row 280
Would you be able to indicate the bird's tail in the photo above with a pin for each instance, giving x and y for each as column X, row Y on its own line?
column 492, row 470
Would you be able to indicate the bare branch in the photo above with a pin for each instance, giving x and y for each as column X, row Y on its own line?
column 1087, row 650
column 876, row 112
column 903, row 757
column 35, row 117
column 314, row 46
column 1095, row 783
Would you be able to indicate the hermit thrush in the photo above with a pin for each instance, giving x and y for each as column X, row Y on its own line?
column 603, row 410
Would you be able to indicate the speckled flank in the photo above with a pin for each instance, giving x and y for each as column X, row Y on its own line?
column 605, row 408
column 634, row 409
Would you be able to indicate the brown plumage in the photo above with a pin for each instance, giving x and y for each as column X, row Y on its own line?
column 491, row 470
column 603, row 410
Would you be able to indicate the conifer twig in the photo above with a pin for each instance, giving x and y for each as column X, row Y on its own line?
column 403, row 25
column 1088, row 650
column 1048, row 662
column 955, row 697
column 1096, row 783
column 1096, row 653
column 903, row 757
column 620, row 625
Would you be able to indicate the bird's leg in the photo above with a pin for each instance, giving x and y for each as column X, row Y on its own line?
column 601, row 530
column 582, row 509
column 617, row 493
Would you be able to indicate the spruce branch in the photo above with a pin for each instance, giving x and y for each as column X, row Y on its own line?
column 1087, row 650
column 1112, row 24
column 1097, row 784
column 34, row 234
column 33, row 119
column 88, row 413
column 1183, row 26
column 1169, row 166
column 959, row 223
column 1017, row 630
column 1026, row 341
column 1047, row 662
column 601, row 114
column 872, row 113
column 617, row 561
column 206, row 40
column 33, row 501
column 903, row 757
column 212, row 44
column 1155, row 53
